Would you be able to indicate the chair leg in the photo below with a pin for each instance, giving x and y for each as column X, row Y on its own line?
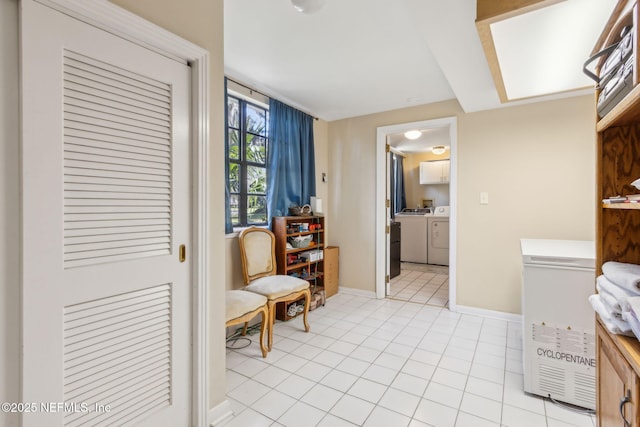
column 263, row 328
column 307, row 302
column 272, row 317
column 244, row 329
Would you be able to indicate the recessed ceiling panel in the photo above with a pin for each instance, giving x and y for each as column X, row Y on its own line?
column 542, row 52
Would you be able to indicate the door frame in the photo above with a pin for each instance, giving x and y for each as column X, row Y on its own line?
column 124, row 24
column 382, row 237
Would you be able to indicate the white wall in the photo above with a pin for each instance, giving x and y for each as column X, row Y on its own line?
column 537, row 162
column 9, row 210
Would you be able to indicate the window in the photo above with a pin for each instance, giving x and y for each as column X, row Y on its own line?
column 248, row 145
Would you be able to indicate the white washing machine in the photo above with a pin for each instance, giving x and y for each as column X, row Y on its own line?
column 438, row 236
column 413, row 234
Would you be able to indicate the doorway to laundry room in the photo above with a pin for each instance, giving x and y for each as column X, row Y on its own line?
column 417, row 186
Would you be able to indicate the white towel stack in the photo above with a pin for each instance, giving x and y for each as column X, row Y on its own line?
column 618, row 283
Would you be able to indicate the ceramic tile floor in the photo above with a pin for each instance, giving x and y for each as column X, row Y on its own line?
column 422, row 284
column 388, row 363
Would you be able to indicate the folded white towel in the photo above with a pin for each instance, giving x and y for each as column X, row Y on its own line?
column 623, row 274
column 634, row 307
column 614, row 325
column 613, row 295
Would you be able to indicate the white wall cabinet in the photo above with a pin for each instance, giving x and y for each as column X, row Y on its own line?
column 435, row 172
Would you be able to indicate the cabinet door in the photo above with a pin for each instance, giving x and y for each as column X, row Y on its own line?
column 432, row 172
column 446, row 168
column 616, row 382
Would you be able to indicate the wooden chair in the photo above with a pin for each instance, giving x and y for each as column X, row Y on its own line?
column 258, row 254
column 242, row 306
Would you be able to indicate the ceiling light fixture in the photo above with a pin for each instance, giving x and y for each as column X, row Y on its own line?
column 413, row 134
column 307, row 6
column 439, row 149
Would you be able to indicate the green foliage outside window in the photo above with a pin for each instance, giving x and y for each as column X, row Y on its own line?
column 248, row 145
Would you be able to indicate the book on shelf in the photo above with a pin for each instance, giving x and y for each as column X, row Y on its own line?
column 615, row 199
column 631, row 198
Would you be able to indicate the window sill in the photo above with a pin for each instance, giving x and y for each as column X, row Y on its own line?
column 237, row 230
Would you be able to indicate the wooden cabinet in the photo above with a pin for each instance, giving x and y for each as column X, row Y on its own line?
column 435, row 172
column 617, row 379
column 618, row 232
column 299, row 252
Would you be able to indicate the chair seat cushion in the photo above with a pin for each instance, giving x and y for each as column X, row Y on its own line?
column 239, row 303
column 277, row 286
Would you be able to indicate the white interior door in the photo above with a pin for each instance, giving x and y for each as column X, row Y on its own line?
column 106, row 206
column 387, row 287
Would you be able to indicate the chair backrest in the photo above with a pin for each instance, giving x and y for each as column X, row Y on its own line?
column 258, row 253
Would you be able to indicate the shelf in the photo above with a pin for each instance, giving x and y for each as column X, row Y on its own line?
column 622, row 206
column 304, row 233
column 297, row 265
column 308, row 248
column 627, row 111
column 284, row 253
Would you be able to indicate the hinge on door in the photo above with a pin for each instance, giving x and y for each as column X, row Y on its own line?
column 387, row 148
column 387, row 279
column 388, row 229
column 182, row 253
column 387, row 203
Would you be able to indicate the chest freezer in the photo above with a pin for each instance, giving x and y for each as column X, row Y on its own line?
column 558, row 321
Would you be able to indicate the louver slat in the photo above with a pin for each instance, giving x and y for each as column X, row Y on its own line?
column 117, row 352
column 82, row 137
column 117, row 164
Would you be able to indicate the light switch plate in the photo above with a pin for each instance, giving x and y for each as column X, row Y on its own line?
column 484, row 198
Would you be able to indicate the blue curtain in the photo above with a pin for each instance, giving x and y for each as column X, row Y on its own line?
column 291, row 172
column 399, row 193
column 228, row 226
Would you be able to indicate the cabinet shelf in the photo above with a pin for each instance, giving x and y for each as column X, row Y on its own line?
column 626, row 112
column 622, row 206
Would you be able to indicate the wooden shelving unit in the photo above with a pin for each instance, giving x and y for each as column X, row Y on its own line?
column 291, row 261
column 618, row 232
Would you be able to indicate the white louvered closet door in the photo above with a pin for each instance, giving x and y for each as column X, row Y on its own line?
column 106, row 206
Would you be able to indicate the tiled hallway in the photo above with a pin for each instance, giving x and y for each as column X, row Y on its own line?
column 422, row 284
column 388, row 363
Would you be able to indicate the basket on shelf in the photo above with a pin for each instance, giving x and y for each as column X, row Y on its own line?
column 301, row 241
column 300, row 210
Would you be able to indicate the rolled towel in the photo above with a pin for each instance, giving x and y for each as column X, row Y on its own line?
column 623, row 274
column 611, row 305
column 611, row 292
column 634, row 309
column 614, row 325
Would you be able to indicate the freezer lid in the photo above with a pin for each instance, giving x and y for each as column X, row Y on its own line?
column 565, row 253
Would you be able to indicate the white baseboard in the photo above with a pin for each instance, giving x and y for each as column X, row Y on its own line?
column 501, row 315
column 219, row 414
column 357, row 292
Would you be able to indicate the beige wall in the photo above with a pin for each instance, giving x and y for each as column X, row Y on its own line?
column 537, row 163
column 201, row 22
column 352, row 180
column 9, row 213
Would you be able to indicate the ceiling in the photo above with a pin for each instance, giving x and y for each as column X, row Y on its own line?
column 357, row 57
